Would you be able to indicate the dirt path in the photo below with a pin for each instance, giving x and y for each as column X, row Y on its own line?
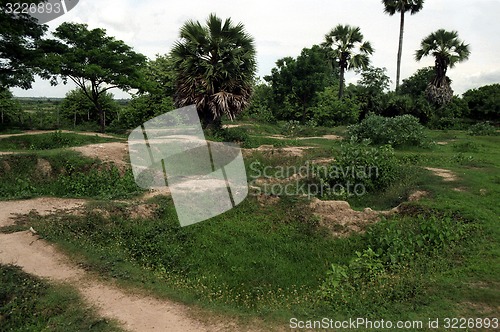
column 37, row 257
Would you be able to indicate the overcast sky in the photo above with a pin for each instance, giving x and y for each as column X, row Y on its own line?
column 282, row 28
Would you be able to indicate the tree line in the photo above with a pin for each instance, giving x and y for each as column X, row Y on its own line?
column 213, row 65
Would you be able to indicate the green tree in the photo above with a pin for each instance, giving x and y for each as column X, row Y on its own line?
column 392, row 7
column 8, row 106
column 295, row 82
column 484, row 102
column 345, row 46
column 215, row 67
column 20, row 36
column 78, row 108
column 448, row 50
column 370, row 90
column 416, row 84
column 94, row 61
column 329, row 110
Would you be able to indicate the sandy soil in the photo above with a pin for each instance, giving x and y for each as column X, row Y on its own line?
column 115, row 152
column 446, row 174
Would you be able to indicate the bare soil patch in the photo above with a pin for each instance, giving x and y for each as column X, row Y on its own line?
column 330, row 137
column 446, row 174
column 115, row 152
column 292, row 151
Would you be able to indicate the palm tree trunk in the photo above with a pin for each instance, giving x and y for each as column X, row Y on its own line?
column 341, row 87
column 400, row 49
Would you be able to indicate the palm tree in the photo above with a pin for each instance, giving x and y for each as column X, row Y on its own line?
column 401, row 6
column 341, row 44
column 215, row 67
column 447, row 50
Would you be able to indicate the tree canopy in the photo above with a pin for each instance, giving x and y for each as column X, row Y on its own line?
column 295, row 82
column 94, row 61
column 215, row 67
column 447, row 50
column 347, row 48
column 392, row 7
column 20, row 37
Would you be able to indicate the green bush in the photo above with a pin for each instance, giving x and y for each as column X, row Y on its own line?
column 404, row 130
column 384, row 270
column 484, row 102
column 482, row 129
column 331, row 111
column 291, row 128
column 358, row 169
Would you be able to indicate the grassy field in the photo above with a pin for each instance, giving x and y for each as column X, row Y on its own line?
column 437, row 258
column 30, row 304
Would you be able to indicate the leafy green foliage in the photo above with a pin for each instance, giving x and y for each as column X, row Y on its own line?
column 9, row 107
column 30, row 304
column 19, row 52
column 345, row 46
column 484, row 102
column 63, row 174
column 358, row 169
column 416, row 84
column 296, row 82
column 448, row 50
column 215, row 67
column 78, row 108
column 94, row 61
column 482, row 129
column 404, row 130
column 331, row 111
column 380, row 273
column 291, row 128
column 401, row 241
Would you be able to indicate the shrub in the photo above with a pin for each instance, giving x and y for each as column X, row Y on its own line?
column 484, row 102
column 404, row 130
column 358, row 168
column 330, row 111
column 291, row 128
column 482, row 129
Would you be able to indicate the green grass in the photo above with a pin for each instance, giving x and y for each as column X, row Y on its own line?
column 49, row 141
column 62, row 173
column 439, row 258
column 29, row 304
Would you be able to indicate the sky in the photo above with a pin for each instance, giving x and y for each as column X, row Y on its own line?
column 283, row 28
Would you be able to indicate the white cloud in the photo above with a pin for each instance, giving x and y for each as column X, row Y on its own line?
column 282, row 28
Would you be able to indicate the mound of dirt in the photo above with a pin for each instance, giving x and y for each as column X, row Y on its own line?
column 115, row 152
column 342, row 220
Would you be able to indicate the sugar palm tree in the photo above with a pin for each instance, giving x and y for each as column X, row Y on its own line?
column 345, row 45
column 448, row 50
column 401, row 6
column 215, row 67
